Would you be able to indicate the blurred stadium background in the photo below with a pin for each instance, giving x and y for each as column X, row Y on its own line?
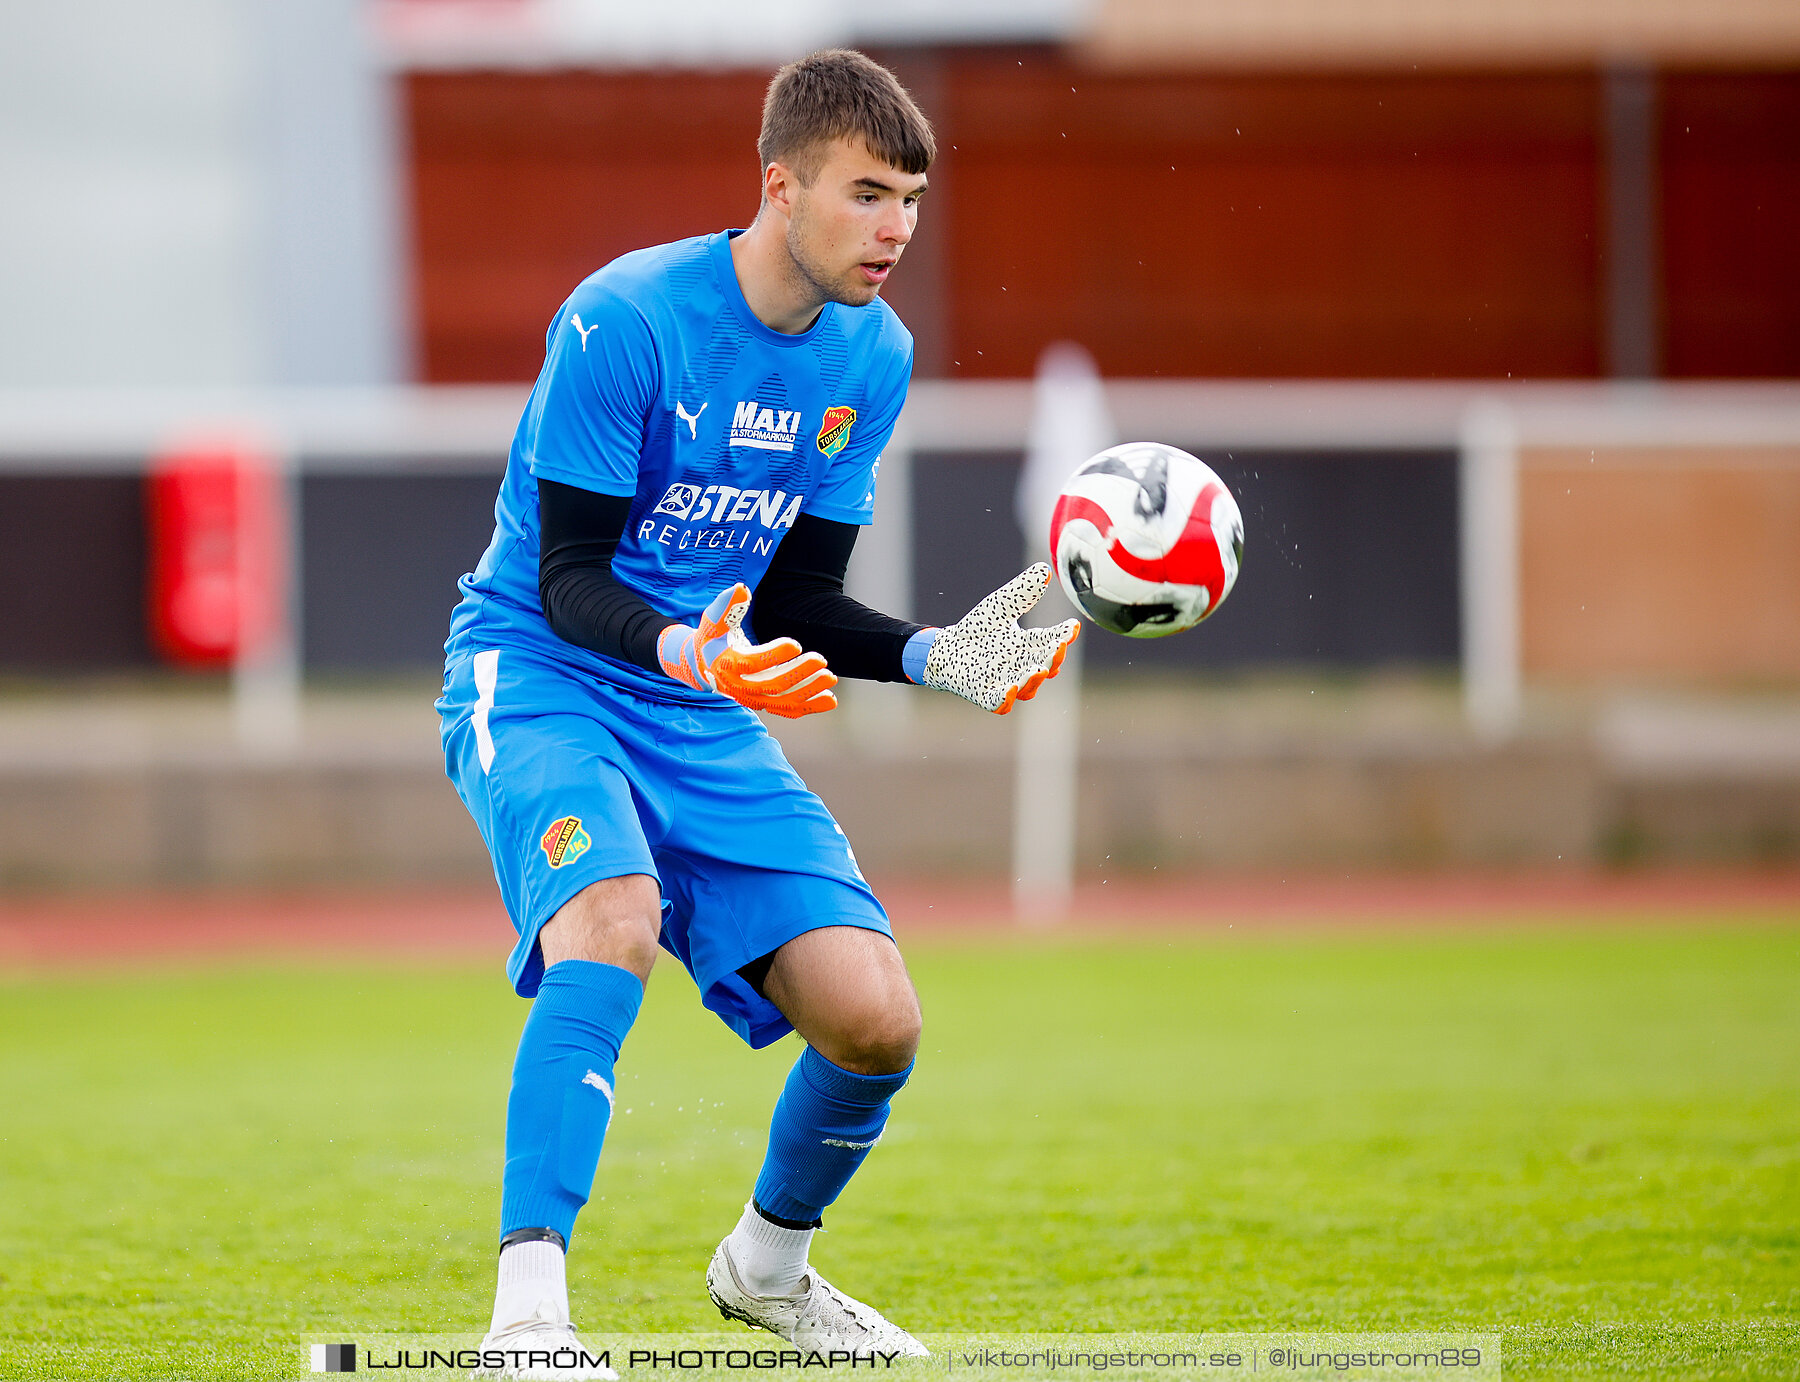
column 1437, row 897
column 1489, row 313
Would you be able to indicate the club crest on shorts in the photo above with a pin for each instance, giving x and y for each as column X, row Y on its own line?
column 564, row 840
column 835, row 430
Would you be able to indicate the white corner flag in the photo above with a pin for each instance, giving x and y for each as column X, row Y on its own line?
column 1069, row 424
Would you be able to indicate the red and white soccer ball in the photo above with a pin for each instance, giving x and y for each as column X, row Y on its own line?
column 1147, row 539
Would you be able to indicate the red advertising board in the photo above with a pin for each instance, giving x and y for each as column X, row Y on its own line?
column 218, row 557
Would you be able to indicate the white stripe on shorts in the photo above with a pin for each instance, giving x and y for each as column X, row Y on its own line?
column 487, row 674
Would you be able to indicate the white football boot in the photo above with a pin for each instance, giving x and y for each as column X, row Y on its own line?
column 542, row 1334
column 817, row 1316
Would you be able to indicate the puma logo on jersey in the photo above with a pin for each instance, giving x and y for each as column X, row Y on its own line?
column 575, row 321
column 767, row 429
column 691, row 419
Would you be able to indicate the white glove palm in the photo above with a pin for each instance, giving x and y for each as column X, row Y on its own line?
column 986, row 658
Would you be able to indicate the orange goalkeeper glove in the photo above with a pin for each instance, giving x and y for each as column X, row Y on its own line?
column 779, row 677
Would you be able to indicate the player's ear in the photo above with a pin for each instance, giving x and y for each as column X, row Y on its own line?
column 779, row 186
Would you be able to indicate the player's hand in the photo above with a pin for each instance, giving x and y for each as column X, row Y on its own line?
column 779, row 677
column 985, row 657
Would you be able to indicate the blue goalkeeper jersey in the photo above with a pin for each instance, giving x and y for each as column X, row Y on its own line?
column 661, row 384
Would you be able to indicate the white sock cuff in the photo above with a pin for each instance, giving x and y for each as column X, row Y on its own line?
column 753, row 1228
column 770, row 1259
column 534, row 1261
column 531, row 1275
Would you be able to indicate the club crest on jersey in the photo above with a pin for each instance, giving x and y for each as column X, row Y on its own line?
column 564, row 840
column 767, row 429
column 679, row 500
column 835, row 430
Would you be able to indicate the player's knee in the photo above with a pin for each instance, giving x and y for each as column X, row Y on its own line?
column 885, row 1041
column 617, row 922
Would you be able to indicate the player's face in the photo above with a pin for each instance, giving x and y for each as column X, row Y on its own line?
column 847, row 231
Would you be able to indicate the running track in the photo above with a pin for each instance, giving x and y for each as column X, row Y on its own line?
column 131, row 928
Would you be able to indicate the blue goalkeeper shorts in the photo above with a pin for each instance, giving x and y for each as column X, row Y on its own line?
column 573, row 780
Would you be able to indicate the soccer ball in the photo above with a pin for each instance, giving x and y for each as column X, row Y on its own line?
column 1147, row 539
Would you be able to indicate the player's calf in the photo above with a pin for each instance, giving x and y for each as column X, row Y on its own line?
column 826, row 1122
column 557, row 1114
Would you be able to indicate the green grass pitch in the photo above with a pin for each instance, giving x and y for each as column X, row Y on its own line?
column 1586, row 1139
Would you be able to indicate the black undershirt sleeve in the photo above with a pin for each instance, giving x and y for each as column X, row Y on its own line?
column 585, row 604
column 802, row 597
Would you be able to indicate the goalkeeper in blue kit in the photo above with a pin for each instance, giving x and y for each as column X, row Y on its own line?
column 669, row 551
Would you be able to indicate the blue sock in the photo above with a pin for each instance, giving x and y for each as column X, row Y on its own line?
column 562, row 1092
column 825, row 1122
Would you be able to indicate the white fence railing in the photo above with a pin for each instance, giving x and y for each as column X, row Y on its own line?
column 464, row 429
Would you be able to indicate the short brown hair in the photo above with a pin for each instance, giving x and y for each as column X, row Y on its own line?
column 835, row 94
